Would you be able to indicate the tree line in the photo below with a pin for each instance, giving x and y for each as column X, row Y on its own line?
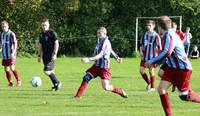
column 76, row 21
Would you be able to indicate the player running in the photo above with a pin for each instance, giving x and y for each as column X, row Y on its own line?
column 178, row 70
column 150, row 44
column 48, row 49
column 164, row 65
column 101, row 67
column 9, row 52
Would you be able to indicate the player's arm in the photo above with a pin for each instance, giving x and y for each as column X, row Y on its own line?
column 117, row 58
column 167, row 50
column 40, row 50
column 100, row 55
column 190, row 36
column 96, row 57
column 159, row 46
column 55, row 51
column 14, row 42
column 56, row 46
column 141, row 46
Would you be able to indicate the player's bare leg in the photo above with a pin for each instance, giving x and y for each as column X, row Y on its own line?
column 161, row 73
column 152, row 79
column 106, row 86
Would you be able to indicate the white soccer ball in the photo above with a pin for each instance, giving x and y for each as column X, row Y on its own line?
column 36, row 81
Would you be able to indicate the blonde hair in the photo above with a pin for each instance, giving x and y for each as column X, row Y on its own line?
column 102, row 29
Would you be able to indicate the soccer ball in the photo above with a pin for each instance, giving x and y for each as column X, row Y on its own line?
column 36, row 81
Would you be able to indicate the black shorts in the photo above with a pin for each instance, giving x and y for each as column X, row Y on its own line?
column 164, row 66
column 49, row 66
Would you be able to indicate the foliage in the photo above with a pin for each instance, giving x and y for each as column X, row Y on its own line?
column 76, row 21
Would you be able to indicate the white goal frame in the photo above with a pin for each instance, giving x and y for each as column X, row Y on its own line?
column 137, row 22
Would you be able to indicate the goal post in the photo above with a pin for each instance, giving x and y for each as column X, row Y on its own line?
column 145, row 18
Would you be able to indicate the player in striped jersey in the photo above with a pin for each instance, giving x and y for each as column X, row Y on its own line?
column 150, row 45
column 9, row 51
column 179, row 69
column 164, row 65
column 101, row 66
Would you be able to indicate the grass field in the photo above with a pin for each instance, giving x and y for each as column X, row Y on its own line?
column 29, row 101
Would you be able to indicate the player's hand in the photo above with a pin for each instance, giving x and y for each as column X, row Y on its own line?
column 120, row 60
column 147, row 63
column 85, row 60
column 12, row 56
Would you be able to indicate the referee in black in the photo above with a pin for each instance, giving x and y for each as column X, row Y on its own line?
column 47, row 50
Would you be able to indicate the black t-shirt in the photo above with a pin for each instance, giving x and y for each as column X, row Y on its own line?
column 47, row 40
column 194, row 53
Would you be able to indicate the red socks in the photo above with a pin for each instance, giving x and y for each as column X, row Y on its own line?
column 165, row 100
column 152, row 80
column 16, row 75
column 81, row 89
column 8, row 75
column 146, row 78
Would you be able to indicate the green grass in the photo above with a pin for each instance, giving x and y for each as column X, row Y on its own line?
column 29, row 101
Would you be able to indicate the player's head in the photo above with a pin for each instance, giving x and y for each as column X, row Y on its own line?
column 187, row 29
column 174, row 26
column 5, row 26
column 150, row 24
column 164, row 23
column 45, row 24
column 101, row 32
column 195, row 48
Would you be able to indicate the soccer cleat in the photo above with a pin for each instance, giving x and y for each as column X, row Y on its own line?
column 77, row 97
column 151, row 90
column 148, row 88
column 56, row 87
column 52, row 88
column 124, row 95
column 19, row 83
column 10, row 84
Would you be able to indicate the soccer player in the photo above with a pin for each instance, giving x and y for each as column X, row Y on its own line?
column 194, row 53
column 164, row 65
column 178, row 70
column 150, row 44
column 9, row 52
column 188, row 37
column 178, row 31
column 101, row 66
column 48, row 48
